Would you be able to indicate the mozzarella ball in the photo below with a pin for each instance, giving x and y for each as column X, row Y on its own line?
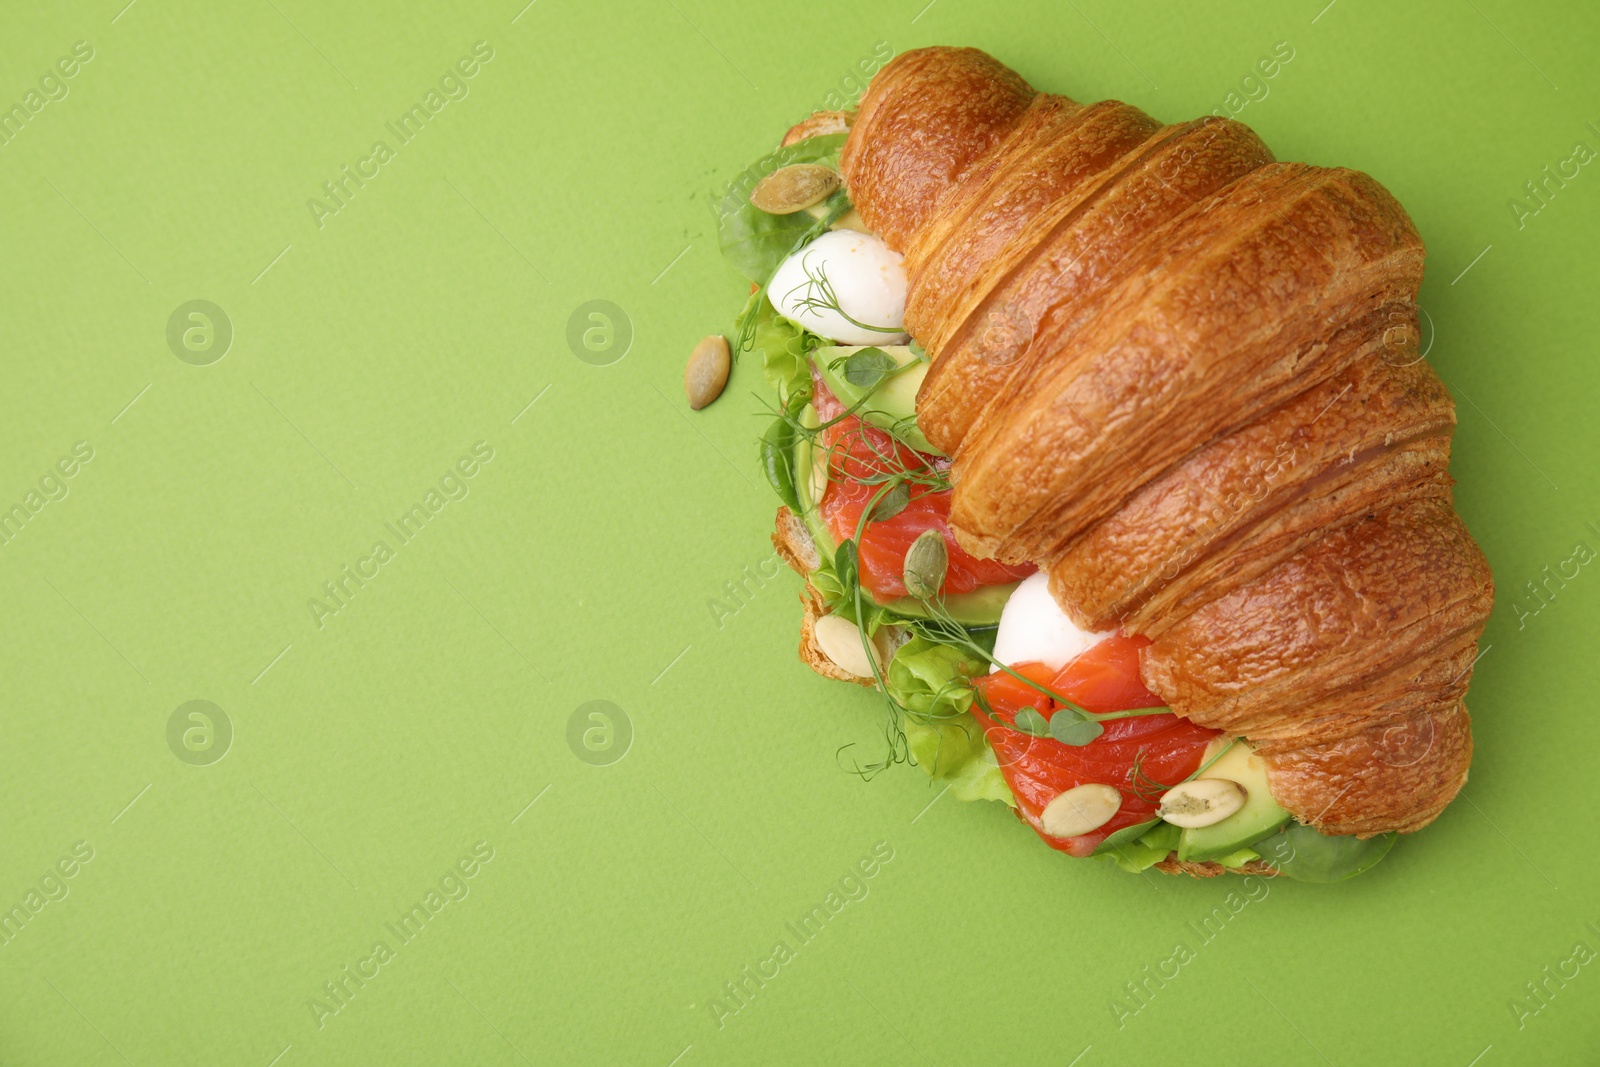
column 867, row 281
column 1034, row 628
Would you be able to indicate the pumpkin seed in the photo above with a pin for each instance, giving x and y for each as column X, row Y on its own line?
column 840, row 641
column 1202, row 802
column 927, row 560
column 1080, row 810
column 706, row 373
column 794, row 188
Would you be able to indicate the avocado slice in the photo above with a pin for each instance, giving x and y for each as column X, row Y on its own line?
column 893, row 403
column 1259, row 817
column 981, row 607
column 810, row 514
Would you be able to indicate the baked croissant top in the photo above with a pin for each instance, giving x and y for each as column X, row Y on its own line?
column 1183, row 379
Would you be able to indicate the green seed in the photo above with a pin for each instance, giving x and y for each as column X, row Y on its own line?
column 926, row 564
column 794, row 188
column 706, row 373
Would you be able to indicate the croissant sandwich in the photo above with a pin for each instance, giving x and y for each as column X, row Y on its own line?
column 1109, row 459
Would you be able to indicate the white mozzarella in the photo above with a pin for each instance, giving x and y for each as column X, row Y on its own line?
column 1033, row 628
column 866, row 280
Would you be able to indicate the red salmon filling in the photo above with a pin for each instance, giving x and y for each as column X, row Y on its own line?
column 1105, row 678
column 858, row 450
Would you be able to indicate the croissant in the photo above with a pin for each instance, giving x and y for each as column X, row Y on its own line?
column 1184, row 380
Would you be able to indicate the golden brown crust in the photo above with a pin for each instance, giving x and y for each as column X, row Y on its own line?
column 1353, row 614
column 1184, row 378
column 1226, row 323
column 811, row 609
column 1332, row 658
column 1231, row 510
column 794, row 544
column 1051, row 157
column 796, row 548
column 818, row 124
column 1391, row 776
column 1072, row 250
column 916, row 145
column 1211, row 869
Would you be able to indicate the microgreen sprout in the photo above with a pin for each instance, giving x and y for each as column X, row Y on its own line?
column 819, row 296
column 1144, row 787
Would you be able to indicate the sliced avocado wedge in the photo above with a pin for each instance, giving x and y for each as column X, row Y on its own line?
column 1259, row 817
column 893, row 402
column 807, row 481
column 981, row 607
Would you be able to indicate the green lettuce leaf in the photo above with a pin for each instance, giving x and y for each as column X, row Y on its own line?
column 784, row 349
column 1301, row 853
column 1163, row 836
column 1239, row 858
column 930, row 680
column 955, row 752
column 755, row 242
column 1133, row 856
column 1134, row 848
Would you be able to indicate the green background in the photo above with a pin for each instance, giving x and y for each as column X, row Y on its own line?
column 371, row 753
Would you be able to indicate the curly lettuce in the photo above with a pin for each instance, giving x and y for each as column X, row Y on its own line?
column 783, row 347
column 1135, row 848
column 931, row 681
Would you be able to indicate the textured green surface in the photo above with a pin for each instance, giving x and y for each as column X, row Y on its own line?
column 371, row 754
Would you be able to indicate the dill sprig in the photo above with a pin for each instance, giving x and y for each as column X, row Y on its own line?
column 821, row 296
column 1143, row 783
column 1144, row 787
column 853, row 409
